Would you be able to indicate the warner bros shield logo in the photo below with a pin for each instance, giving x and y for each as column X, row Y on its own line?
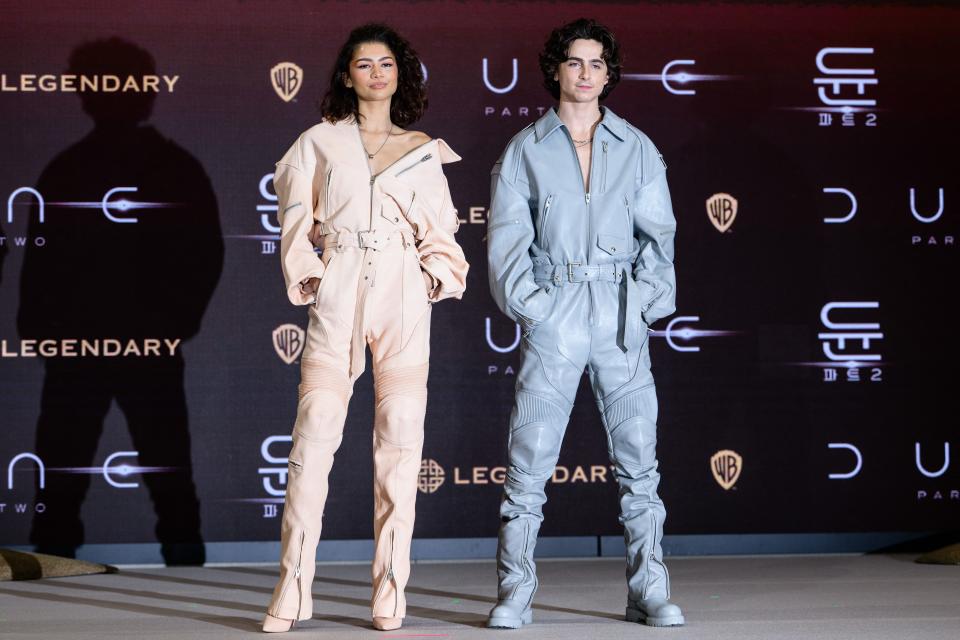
column 726, row 466
column 287, row 78
column 288, row 340
column 722, row 210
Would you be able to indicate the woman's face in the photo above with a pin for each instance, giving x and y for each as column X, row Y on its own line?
column 583, row 74
column 372, row 72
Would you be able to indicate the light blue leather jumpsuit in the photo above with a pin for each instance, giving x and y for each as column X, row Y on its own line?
column 584, row 272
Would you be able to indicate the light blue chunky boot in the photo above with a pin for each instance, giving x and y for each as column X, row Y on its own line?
column 654, row 612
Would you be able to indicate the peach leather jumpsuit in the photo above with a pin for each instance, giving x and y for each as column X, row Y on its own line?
column 388, row 253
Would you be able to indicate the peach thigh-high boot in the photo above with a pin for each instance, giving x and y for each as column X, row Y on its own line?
column 325, row 391
column 400, row 355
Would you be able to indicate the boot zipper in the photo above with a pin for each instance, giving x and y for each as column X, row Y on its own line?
column 526, row 564
column 653, row 556
column 396, row 591
column 387, row 578
column 296, row 576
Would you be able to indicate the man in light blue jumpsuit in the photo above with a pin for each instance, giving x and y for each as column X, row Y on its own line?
column 580, row 248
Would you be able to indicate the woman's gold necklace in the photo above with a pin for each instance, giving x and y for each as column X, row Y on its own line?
column 371, row 155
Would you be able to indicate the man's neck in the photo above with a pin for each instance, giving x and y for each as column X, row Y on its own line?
column 579, row 117
column 375, row 116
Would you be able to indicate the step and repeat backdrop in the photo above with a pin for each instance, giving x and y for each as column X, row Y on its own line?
column 149, row 358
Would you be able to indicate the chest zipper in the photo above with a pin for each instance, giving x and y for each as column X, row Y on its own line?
column 603, row 169
column 543, row 220
column 326, row 195
column 417, row 163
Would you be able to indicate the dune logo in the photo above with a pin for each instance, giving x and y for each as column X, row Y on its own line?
column 726, row 466
column 287, row 78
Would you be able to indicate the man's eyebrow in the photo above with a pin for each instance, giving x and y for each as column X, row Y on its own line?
column 581, row 59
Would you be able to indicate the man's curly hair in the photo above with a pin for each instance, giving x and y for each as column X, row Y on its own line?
column 557, row 48
column 408, row 103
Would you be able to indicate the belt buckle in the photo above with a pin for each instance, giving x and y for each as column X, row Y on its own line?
column 362, row 241
column 570, row 267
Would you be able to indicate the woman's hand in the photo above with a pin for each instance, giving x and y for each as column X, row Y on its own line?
column 310, row 286
column 315, row 235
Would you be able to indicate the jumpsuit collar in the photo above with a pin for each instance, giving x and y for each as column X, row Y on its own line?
column 443, row 150
column 550, row 122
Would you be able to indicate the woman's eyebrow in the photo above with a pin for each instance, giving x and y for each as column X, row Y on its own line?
column 371, row 59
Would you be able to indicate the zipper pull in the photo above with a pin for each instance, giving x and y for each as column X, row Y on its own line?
column 296, row 573
column 372, row 178
column 588, row 197
column 604, row 143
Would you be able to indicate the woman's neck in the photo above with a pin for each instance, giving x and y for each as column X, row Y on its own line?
column 375, row 116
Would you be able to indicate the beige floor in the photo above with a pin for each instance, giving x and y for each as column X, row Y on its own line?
column 745, row 598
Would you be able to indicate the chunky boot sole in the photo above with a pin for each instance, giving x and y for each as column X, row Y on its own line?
column 635, row 615
column 510, row 622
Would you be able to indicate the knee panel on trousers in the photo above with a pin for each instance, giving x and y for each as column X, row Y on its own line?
column 401, row 396
column 632, row 432
column 535, row 435
column 324, row 394
column 633, row 447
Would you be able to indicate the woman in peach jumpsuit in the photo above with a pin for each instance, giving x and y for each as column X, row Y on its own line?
column 374, row 199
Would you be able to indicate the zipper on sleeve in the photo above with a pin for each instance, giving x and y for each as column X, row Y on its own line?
column 502, row 223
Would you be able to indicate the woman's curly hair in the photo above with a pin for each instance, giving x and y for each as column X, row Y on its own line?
column 408, row 103
column 557, row 48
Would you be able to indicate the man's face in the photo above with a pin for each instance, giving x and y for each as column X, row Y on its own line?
column 583, row 74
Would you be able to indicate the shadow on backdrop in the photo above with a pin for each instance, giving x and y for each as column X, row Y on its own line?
column 119, row 294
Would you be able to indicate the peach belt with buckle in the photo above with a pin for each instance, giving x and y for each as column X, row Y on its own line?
column 375, row 240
